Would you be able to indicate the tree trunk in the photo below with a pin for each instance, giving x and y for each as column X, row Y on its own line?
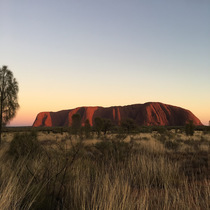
column 0, row 130
column 1, row 116
column 1, row 106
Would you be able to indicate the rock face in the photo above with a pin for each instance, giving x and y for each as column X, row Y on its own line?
column 152, row 113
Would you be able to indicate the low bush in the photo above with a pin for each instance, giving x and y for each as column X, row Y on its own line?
column 172, row 145
column 24, row 144
column 116, row 150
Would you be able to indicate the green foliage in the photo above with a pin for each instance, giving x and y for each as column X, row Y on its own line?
column 87, row 128
column 98, row 125
column 76, row 123
column 8, row 96
column 107, row 125
column 128, row 125
column 25, row 144
column 189, row 128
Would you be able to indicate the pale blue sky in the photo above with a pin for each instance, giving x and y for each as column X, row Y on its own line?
column 100, row 52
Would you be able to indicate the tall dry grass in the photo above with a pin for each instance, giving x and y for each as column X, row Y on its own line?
column 107, row 175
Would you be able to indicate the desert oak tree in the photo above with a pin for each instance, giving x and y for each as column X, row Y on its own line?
column 8, row 97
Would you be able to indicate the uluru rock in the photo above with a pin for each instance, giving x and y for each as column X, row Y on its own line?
column 152, row 113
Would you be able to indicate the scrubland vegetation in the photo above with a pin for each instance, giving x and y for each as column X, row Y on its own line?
column 152, row 168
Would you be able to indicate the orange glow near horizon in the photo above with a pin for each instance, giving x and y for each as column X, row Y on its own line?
column 106, row 53
column 27, row 118
column 22, row 120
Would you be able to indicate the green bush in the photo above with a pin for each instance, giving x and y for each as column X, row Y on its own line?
column 128, row 125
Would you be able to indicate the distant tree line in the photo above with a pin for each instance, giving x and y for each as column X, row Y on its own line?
column 127, row 126
column 100, row 125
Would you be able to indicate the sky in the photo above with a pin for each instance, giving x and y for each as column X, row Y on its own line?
column 71, row 53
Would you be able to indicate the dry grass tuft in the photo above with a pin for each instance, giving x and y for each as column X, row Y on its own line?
column 137, row 173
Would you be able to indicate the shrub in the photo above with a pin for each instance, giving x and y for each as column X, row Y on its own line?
column 172, row 145
column 76, row 124
column 107, row 125
column 189, row 128
column 128, row 125
column 161, row 129
column 87, row 129
column 98, row 125
column 24, row 144
column 145, row 129
column 115, row 150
